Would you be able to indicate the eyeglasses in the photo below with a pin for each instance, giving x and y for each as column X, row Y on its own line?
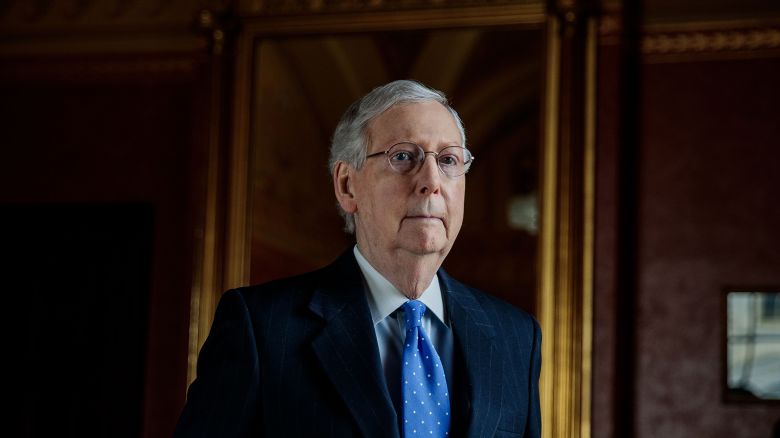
column 405, row 158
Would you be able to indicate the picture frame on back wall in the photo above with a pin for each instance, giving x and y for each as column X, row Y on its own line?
column 561, row 183
column 751, row 345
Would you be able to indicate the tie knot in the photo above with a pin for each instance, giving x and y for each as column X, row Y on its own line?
column 413, row 312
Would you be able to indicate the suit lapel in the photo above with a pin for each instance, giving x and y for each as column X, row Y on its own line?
column 474, row 334
column 347, row 348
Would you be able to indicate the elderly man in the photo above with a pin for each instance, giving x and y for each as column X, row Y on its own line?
column 381, row 343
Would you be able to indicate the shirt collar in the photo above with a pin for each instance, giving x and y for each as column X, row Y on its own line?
column 384, row 298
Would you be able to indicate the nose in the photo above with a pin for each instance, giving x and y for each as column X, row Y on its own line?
column 429, row 175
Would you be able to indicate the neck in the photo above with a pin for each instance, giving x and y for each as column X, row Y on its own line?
column 410, row 273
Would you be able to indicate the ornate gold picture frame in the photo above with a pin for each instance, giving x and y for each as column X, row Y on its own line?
column 565, row 169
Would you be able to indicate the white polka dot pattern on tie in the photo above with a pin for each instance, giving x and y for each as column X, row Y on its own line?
column 433, row 401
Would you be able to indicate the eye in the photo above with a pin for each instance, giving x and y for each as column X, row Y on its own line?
column 449, row 160
column 402, row 156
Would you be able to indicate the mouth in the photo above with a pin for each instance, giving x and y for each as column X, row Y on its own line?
column 425, row 218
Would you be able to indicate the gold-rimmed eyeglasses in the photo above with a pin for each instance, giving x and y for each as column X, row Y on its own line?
column 406, row 158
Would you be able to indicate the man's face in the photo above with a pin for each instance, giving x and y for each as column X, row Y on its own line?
column 422, row 212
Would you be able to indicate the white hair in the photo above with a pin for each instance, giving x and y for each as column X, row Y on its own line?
column 350, row 140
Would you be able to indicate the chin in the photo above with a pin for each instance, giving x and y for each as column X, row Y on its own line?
column 425, row 239
column 424, row 245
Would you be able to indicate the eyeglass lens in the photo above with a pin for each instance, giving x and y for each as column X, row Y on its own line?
column 452, row 160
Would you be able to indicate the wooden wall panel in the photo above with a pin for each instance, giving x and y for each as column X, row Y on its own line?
column 113, row 131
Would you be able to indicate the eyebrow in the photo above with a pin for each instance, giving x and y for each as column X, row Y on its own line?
column 442, row 145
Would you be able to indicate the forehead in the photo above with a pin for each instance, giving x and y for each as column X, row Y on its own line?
column 421, row 122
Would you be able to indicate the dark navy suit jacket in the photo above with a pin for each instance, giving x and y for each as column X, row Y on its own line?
column 299, row 357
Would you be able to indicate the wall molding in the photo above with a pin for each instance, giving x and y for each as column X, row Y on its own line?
column 62, row 27
column 248, row 8
column 565, row 293
column 699, row 40
column 19, row 16
column 720, row 41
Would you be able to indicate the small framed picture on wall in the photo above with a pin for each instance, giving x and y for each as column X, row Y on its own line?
column 752, row 345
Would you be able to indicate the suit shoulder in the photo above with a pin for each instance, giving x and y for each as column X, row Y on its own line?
column 503, row 308
column 491, row 301
column 297, row 288
column 500, row 312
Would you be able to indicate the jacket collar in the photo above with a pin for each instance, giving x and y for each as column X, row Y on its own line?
column 474, row 332
column 347, row 348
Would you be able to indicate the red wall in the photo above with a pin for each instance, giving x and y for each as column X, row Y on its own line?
column 709, row 178
column 606, row 238
column 702, row 169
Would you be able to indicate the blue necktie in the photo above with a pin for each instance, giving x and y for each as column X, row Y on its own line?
column 426, row 403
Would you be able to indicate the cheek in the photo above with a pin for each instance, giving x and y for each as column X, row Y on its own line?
column 389, row 197
column 456, row 201
column 379, row 206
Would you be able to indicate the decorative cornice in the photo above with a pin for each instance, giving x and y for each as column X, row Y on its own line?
column 21, row 16
column 712, row 41
column 217, row 26
column 706, row 39
column 67, row 27
column 253, row 8
column 530, row 14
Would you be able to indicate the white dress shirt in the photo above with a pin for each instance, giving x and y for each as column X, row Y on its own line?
column 383, row 301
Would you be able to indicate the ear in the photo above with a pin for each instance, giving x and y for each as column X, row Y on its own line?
column 343, row 174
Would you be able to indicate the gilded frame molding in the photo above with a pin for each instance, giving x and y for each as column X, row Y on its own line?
column 565, row 291
column 565, row 247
